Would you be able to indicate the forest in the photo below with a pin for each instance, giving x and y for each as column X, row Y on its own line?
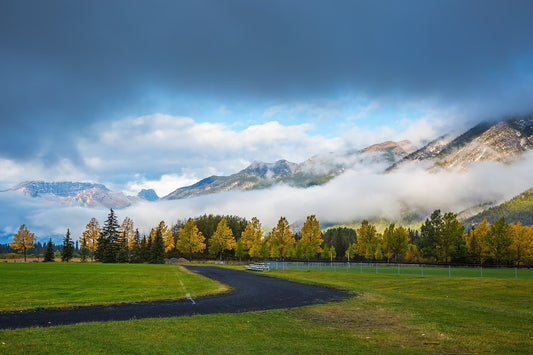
column 442, row 238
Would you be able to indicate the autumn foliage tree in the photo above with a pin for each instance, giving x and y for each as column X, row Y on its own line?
column 23, row 240
column 222, row 239
column 280, row 239
column 395, row 242
column 367, row 241
column 91, row 235
column 252, row 238
column 311, row 240
column 190, row 239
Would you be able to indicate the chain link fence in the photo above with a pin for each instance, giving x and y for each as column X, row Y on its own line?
column 421, row 270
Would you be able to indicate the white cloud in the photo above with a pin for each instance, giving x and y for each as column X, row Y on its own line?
column 357, row 194
column 162, row 186
column 186, row 150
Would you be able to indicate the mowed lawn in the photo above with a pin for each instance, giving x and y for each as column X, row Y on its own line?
column 388, row 314
column 30, row 286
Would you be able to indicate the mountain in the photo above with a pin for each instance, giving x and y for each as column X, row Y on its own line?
column 148, row 195
column 501, row 141
column 73, row 193
column 517, row 209
column 316, row 170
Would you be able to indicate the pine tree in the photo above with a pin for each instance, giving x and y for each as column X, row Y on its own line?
column 84, row 250
column 157, row 251
column 49, row 254
column 107, row 243
column 68, row 248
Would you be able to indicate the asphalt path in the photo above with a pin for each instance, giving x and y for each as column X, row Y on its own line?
column 251, row 292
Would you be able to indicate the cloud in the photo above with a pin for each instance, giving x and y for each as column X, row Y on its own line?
column 148, row 147
column 357, row 194
column 176, row 57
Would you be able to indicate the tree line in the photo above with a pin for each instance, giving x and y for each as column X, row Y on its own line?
column 441, row 239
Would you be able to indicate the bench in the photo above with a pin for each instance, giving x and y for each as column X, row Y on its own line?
column 258, row 267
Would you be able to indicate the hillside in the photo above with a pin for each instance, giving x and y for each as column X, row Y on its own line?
column 73, row 193
column 501, row 141
column 519, row 208
column 316, row 170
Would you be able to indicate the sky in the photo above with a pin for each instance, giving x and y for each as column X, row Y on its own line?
column 159, row 94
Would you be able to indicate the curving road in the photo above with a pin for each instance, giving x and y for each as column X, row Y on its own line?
column 251, row 292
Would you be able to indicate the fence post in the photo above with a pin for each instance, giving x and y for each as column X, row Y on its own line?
column 398, row 268
column 449, row 271
column 422, row 270
column 515, row 273
column 481, row 268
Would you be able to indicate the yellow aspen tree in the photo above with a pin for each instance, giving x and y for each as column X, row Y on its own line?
column 311, row 240
column 168, row 237
column 23, row 240
column 127, row 233
column 280, row 239
column 252, row 238
column 479, row 242
column 190, row 239
column 521, row 243
column 222, row 239
column 90, row 236
column 367, row 240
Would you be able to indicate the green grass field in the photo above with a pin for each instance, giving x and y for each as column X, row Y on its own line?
column 408, row 270
column 388, row 314
column 27, row 286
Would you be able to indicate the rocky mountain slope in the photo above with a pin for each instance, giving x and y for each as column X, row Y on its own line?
column 501, row 141
column 73, row 193
column 316, row 170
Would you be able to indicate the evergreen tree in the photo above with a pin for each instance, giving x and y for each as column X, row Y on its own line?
column 68, row 248
column 49, row 255
column 108, row 247
column 157, row 250
column 429, row 235
column 84, row 250
column 123, row 255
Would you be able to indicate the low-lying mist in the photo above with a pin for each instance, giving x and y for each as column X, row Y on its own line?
column 359, row 193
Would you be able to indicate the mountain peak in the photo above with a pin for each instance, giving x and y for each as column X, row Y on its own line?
column 73, row 193
column 148, row 195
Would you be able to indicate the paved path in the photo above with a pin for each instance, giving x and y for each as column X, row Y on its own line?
column 251, row 292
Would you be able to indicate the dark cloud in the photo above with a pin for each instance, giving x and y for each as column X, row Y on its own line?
column 65, row 64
